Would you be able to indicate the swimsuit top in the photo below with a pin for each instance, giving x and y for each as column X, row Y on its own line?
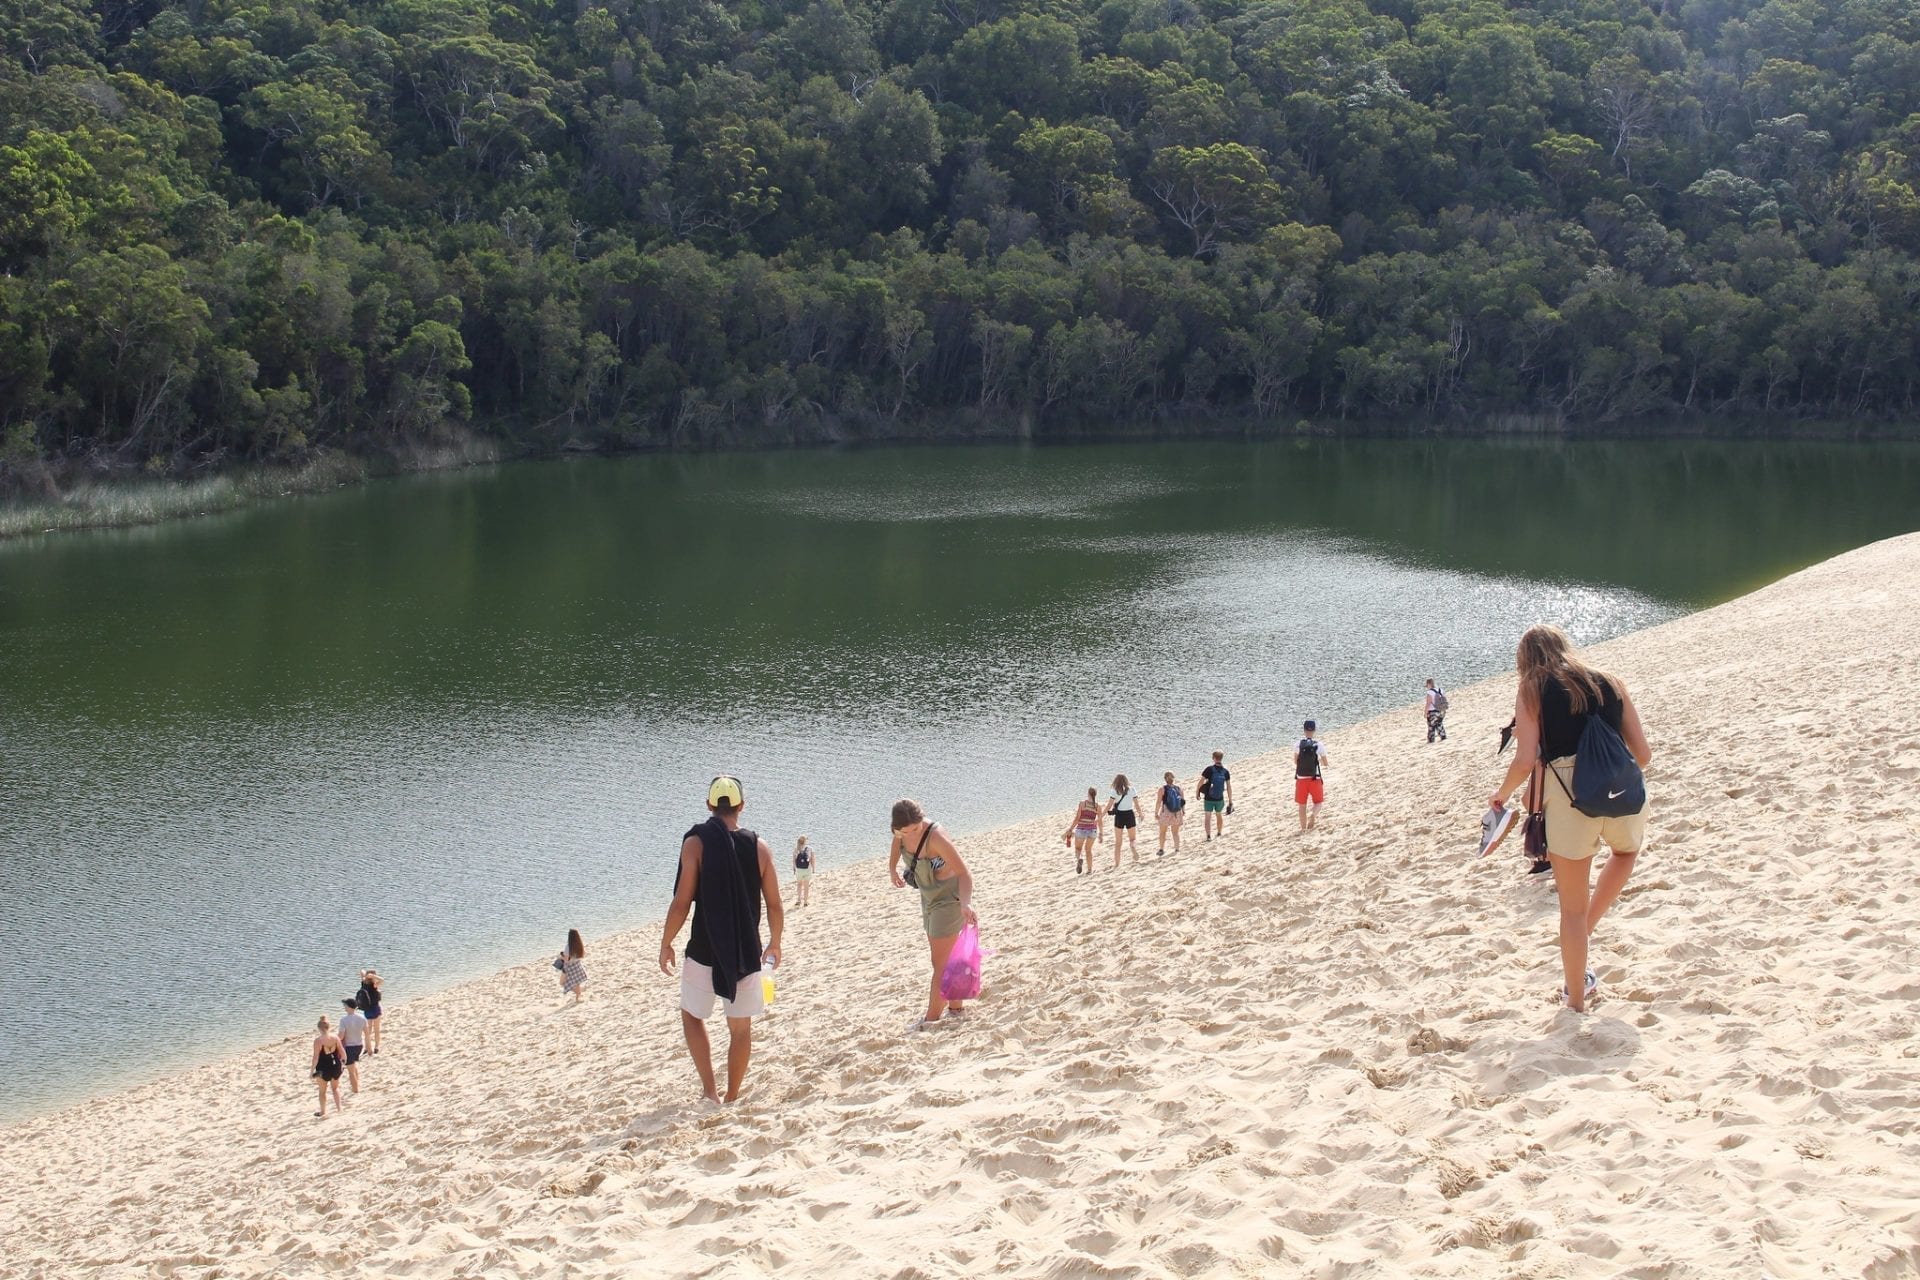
column 935, row 864
column 1088, row 815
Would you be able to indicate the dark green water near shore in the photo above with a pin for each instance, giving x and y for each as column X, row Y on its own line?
column 428, row 724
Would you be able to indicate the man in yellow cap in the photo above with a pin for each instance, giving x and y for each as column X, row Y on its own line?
column 726, row 876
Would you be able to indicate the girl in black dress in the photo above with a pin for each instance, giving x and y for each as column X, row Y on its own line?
column 329, row 1059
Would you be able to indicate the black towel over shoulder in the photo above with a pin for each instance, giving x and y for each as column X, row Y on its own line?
column 726, row 906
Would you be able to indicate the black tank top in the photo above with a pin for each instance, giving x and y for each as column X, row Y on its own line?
column 746, row 847
column 1560, row 727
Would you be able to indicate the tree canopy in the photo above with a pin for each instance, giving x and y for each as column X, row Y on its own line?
column 242, row 228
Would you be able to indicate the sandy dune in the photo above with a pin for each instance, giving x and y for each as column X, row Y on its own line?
column 1329, row 1056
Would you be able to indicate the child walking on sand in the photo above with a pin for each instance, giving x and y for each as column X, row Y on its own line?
column 1088, row 825
column 803, row 860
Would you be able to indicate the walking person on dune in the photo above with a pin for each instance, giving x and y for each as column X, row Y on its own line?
column 804, row 859
column 1216, row 795
column 937, row 870
column 726, row 876
column 572, row 964
column 1567, row 710
column 1088, row 825
column 329, row 1059
column 353, row 1038
column 1309, row 783
column 1436, row 711
column 1123, row 805
column 1170, row 806
column 371, row 991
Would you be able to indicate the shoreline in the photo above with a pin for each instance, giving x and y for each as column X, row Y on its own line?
column 1279, row 1053
column 125, row 501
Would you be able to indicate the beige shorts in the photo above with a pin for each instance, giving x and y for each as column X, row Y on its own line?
column 1573, row 834
column 697, row 997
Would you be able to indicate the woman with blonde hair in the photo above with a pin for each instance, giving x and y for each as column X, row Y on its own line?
column 1088, row 825
column 329, row 1060
column 1558, row 692
column 803, row 861
column 1170, row 806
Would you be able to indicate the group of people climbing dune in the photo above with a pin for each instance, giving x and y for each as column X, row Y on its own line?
column 1582, row 747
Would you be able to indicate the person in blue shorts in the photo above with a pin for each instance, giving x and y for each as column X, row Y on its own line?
column 1216, row 795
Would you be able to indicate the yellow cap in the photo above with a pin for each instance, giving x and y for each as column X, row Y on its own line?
column 725, row 791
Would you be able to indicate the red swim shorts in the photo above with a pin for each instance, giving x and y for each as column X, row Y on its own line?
column 1309, row 789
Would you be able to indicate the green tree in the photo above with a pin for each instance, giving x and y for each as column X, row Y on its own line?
column 130, row 331
column 1214, row 192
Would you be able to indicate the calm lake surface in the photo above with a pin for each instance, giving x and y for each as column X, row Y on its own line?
column 428, row 724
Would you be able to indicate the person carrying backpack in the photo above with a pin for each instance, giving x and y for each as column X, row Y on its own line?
column 803, row 860
column 1170, row 806
column 1309, row 786
column 1579, row 727
column 1215, row 786
column 1436, row 711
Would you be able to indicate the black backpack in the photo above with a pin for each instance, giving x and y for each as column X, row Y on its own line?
column 803, row 860
column 1306, row 759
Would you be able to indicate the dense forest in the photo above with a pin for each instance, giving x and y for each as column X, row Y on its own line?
column 240, row 229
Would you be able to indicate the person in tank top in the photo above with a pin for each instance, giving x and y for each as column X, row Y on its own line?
column 725, row 879
column 1557, row 693
column 936, row 869
column 1088, row 825
column 329, row 1061
column 1123, row 807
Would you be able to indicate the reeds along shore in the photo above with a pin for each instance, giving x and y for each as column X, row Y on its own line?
column 1327, row 1055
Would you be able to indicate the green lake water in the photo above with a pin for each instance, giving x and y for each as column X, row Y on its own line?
column 429, row 724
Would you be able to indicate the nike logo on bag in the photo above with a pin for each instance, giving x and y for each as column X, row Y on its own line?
column 1615, row 795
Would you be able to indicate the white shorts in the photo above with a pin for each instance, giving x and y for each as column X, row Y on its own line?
column 697, row 998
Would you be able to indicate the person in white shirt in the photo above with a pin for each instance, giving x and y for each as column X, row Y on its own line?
column 1436, row 711
column 353, row 1037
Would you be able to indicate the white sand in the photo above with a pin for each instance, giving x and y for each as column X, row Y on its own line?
column 1330, row 1056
